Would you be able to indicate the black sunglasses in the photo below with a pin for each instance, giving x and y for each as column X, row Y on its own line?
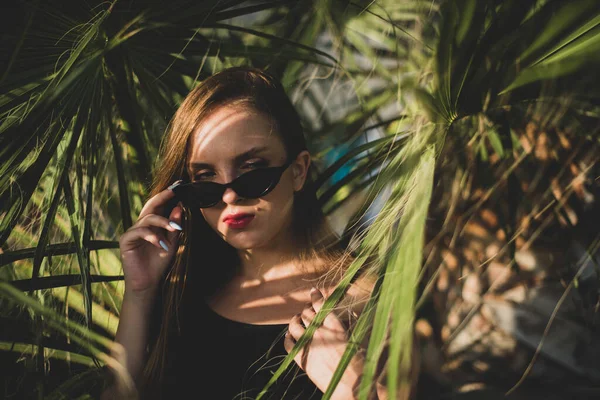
column 251, row 185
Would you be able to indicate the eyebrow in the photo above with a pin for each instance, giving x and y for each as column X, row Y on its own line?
column 195, row 166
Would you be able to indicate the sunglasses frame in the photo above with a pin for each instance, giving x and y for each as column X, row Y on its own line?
column 179, row 188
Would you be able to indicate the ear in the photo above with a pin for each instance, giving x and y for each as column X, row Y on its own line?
column 300, row 169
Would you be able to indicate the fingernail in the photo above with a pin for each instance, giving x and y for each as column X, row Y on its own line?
column 313, row 290
column 175, row 184
column 163, row 245
column 175, row 225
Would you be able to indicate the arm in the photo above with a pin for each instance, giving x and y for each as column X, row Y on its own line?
column 146, row 250
column 357, row 298
column 402, row 392
column 132, row 332
column 129, row 348
column 379, row 391
column 322, row 355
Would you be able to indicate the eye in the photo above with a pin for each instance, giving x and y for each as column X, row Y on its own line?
column 203, row 175
column 255, row 164
column 249, row 165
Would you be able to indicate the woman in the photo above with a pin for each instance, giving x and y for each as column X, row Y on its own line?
column 219, row 287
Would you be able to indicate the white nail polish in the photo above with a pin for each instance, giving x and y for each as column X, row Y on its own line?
column 175, row 184
column 163, row 245
column 175, row 225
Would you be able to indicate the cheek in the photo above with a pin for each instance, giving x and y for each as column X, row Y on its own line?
column 280, row 202
column 285, row 188
column 211, row 216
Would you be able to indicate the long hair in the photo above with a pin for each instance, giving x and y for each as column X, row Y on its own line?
column 198, row 243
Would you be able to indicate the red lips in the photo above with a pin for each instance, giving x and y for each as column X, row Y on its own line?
column 238, row 221
column 237, row 216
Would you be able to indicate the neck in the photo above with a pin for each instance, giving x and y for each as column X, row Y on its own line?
column 259, row 262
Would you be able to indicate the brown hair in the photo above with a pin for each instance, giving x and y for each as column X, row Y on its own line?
column 257, row 90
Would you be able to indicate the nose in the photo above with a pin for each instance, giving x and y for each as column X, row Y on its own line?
column 230, row 196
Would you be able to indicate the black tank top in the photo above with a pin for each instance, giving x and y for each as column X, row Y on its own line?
column 220, row 359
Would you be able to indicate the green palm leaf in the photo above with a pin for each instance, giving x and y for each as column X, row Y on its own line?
column 84, row 77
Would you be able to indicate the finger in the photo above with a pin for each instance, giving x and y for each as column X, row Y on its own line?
column 331, row 320
column 176, row 214
column 133, row 236
column 295, row 328
column 334, row 324
column 176, row 221
column 157, row 203
column 288, row 344
column 153, row 235
column 317, row 299
column 159, row 222
column 308, row 314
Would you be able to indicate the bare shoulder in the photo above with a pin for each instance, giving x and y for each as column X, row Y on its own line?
column 355, row 298
column 359, row 293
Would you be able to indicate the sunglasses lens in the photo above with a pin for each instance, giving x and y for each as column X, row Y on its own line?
column 256, row 183
column 251, row 185
column 201, row 194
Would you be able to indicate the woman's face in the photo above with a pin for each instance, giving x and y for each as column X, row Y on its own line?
column 234, row 140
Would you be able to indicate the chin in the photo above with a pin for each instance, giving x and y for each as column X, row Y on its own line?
column 240, row 245
column 243, row 240
column 252, row 237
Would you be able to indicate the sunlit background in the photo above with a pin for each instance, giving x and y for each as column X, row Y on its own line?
column 456, row 140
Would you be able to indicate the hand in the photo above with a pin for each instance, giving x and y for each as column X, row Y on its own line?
column 320, row 358
column 144, row 258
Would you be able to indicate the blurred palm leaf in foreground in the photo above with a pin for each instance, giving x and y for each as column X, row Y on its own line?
column 512, row 250
column 480, row 192
column 513, row 99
